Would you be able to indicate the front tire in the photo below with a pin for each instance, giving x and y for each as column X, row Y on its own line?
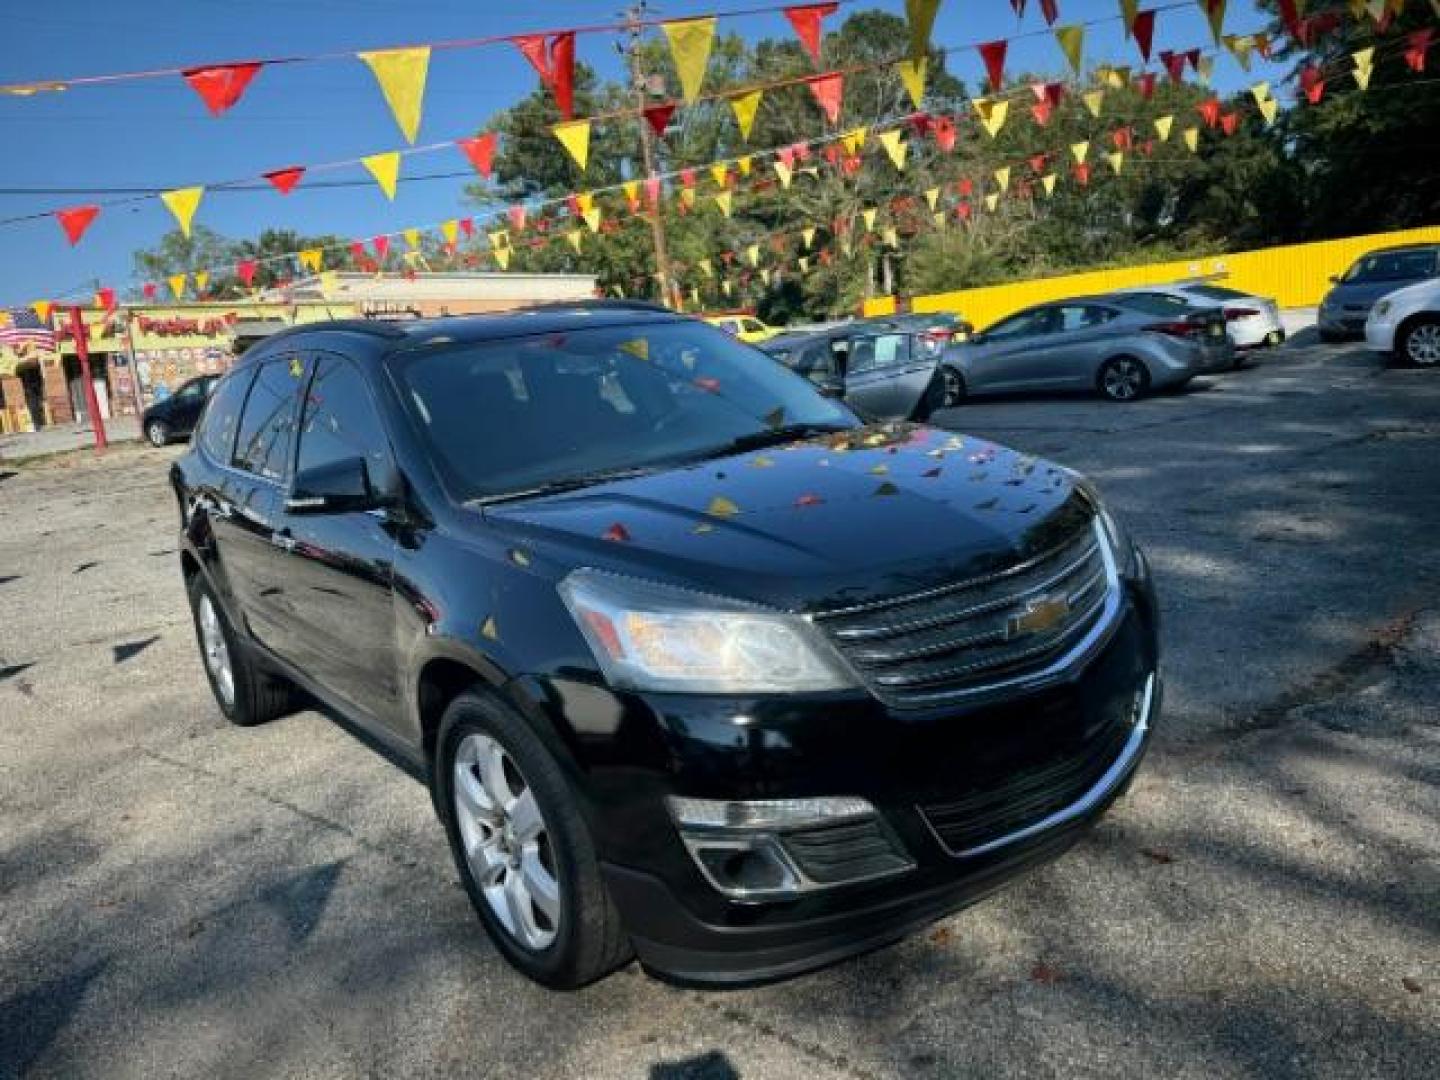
column 1420, row 343
column 246, row 694
column 946, row 391
column 522, row 847
column 157, row 434
column 1123, row 378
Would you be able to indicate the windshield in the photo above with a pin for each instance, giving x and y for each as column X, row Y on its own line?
column 519, row 414
column 1391, row 266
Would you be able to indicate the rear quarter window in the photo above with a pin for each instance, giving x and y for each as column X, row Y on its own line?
column 222, row 415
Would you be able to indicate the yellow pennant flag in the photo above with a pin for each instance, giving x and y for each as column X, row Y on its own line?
column 1116, row 160
column 183, row 202
column 450, row 230
column 753, row 254
column 912, row 74
column 687, row 197
column 765, row 276
column 1357, row 9
column 1240, row 46
column 177, row 285
column 854, row 141
column 1128, row 10
column 1362, row 77
column 1269, row 109
column 939, row 219
column 576, row 238
column 727, row 287
column 1192, row 139
column 42, row 309
column 632, row 191
column 724, row 200
column 895, row 147
column 720, row 173
column 592, row 218
column 502, row 256
column 1002, row 178
column 385, row 168
column 1081, row 150
column 804, row 264
column 1117, row 78
column 745, row 106
column 808, row 235
column 992, row 201
column 1260, row 92
column 401, row 75
column 1072, row 44
column 846, row 247
column 920, row 14
column 585, row 201
column 869, row 216
column 1162, row 127
column 932, row 196
column 311, row 258
column 1377, row 8
column 574, row 136
column 708, row 268
column 992, row 114
column 1364, row 66
column 1094, row 101
column 785, row 173
column 690, row 41
column 744, row 165
column 1215, row 12
column 412, row 238
column 1048, row 183
column 892, row 238
column 499, row 239
column 202, row 278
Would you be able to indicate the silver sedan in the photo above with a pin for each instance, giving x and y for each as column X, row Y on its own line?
column 1120, row 347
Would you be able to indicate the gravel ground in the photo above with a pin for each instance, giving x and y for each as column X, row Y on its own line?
column 179, row 897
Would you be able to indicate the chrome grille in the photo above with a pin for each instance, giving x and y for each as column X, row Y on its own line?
column 927, row 648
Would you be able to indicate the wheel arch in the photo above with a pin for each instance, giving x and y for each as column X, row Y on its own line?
column 1409, row 323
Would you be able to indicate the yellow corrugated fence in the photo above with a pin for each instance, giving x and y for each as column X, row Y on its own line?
column 1296, row 275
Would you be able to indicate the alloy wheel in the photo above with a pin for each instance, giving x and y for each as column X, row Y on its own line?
column 156, row 434
column 1423, row 344
column 1123, row 379
column 507, row 843
column 217, row 650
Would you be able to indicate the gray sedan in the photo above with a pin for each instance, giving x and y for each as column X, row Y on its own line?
column 1120, row 347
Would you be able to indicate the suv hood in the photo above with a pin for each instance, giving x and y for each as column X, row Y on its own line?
column 829, row 521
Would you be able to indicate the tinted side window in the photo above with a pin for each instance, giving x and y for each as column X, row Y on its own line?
column 340, row 419
column 222, row 415
column 1083, row 316
column 268, row 423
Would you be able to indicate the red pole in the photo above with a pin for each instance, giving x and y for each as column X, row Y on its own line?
column 92, row 404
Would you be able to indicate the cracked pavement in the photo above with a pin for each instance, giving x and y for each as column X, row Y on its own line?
column 179, row 897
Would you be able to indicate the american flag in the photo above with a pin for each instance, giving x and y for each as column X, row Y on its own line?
column 22, row 330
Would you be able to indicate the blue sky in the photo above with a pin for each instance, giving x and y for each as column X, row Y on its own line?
column 156, row 133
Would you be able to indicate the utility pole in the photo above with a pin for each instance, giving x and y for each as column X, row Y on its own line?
column 635, row 17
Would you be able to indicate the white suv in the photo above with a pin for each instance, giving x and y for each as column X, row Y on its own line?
column 1406, row 323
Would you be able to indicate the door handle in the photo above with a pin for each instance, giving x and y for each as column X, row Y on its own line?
column 282, row 539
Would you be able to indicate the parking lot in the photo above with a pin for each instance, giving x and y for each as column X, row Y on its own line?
column 180, row 897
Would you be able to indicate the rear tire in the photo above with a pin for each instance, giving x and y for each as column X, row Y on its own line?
column 946, row 391
column 513, row 820
column 1419, row 343
column 1123, row 378
column 157, row 434
column 246, row 694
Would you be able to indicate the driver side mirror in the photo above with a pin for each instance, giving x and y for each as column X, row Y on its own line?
column 339, row 487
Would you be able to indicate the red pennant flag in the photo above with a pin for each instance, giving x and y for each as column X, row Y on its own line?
column 965, row 187
column 285, row 179
column 358, row 252
column 1051, row 10
column 517, row 218
column 1122, row 138
column 963, row 211
column 148, row 290
column 1416, row 46
column 1055, row 93
column 1041, row 112
column 1312, row 83
column 556, row 67
column 1290, row 16
column 105, row 298
column 1037, row 163
column 76, row 220
column 658, row 117
column 245, row 271
column 1145, row 85
column 1144, row 31
column 806, row 21
column 381, row 244
column 1174, row 64
column 467, row 226
column 853, row 163
column 993, row 53
column 220, row 87
column 687, row 176
column 945, row 133
column 1082, row 173
column 1229, row 122
column 1210, row 110
column 652, row 191
column 1147, row 147
column 1192, row 57
column 481, row 152
column 832, row 155
column 828, row 91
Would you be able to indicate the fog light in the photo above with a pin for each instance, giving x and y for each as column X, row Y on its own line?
column 765, row 813
column 746, row 869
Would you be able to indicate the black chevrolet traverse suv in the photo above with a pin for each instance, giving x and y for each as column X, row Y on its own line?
column 696, row 666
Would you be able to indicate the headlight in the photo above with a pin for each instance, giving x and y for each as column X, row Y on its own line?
column 1121, row 546
column 648, row 636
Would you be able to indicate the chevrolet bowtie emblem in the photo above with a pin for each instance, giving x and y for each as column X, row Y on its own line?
column 1039, row 615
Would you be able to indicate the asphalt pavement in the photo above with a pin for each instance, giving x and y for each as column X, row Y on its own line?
column 183, row 898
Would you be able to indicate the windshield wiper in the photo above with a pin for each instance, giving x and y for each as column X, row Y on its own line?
column 563, row 484
column 775, row 435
